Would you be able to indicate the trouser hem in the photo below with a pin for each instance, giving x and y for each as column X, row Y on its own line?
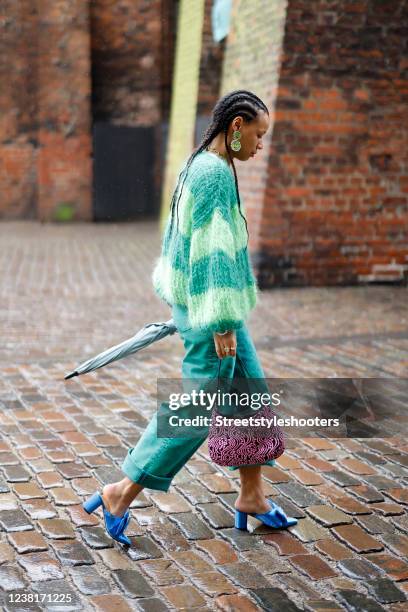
column 144, row 478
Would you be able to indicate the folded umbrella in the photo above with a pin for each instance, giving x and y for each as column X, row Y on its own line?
column 147, row 335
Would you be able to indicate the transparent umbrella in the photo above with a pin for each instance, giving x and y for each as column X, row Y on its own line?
column 147, row 335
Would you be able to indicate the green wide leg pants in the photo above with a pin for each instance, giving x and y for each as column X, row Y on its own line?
column 154, row 461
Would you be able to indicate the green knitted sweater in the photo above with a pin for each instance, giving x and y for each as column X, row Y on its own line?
column 204, row 264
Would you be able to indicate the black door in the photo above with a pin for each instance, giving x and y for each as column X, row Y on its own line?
column 123, row 184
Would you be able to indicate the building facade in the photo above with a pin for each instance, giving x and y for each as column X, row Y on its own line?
column 101, row 101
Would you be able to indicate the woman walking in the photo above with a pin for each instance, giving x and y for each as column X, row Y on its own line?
column 204, row 275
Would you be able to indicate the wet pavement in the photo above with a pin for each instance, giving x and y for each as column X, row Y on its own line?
column 69, row 292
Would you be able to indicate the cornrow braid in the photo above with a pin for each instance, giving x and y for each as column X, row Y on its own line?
column 238, row 102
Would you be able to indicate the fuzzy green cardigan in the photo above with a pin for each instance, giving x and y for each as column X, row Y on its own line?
column 204, row 264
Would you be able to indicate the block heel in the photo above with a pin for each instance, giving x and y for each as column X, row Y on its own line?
column 92, row 503
column 241, row 520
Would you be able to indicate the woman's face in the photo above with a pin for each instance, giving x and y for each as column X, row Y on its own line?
column 251, row 135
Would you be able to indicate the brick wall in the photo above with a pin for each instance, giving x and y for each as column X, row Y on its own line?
column 251, row 61
column 127, row 45
column 18, row 104
column 335, row 209
column 63, row 117
column 326, row 200
column 73, row 63
column 44, row 139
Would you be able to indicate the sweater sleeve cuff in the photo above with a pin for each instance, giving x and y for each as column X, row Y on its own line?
column 213, row 328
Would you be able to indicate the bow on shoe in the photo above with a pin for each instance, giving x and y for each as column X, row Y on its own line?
column 279, row 515
column 275, row 517
column 116, row 525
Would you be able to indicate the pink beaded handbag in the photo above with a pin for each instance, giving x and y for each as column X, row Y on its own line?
column 236, row 445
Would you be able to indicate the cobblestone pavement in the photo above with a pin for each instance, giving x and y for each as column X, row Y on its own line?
column 68, row 292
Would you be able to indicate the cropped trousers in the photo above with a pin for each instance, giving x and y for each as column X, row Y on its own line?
column 154, row 461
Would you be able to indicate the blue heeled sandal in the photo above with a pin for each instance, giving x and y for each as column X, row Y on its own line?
column 274, row 518
column 115, row 525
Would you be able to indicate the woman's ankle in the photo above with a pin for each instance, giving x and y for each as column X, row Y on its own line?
column 252, row 501
column 251, row 493
column 119, row 495
column 127, row 491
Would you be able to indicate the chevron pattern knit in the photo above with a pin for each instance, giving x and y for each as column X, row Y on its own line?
column 204, row 264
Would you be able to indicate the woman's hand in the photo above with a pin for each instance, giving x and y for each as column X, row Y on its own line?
column 225, row 344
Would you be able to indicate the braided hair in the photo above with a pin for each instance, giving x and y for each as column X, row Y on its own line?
column 238, row 102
